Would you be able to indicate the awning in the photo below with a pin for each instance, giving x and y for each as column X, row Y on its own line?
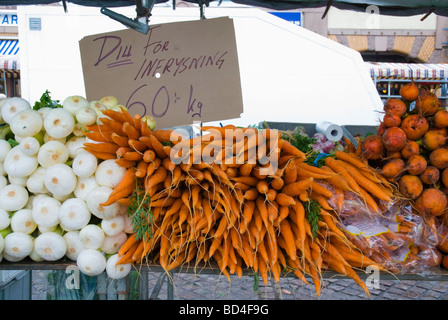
column 9, row 58
column 390, row 7
column 9, row 47
column 407, row 70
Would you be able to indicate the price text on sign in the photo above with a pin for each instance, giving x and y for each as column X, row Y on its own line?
column 178, row 72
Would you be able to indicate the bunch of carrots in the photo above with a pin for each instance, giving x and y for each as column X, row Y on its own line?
column 232, row 212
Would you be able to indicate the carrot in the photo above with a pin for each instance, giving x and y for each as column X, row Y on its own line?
column 116, row 195
column 338, row 168
column 147, row 141
column 128, row 116
column 263, row 269
column 272, row 208
column 303, row 174
column 149, row 155
column 127, row 244
column 296, row 269
column 271, row 194
column 330, row 221
column 287, row 147
column 138, row 251
column 115, row 115
column 163, row 135
column 158, row 147
column 248, row 211
column 106, row 147
column 113, row 125
column 284, row 200
column 262, row 186
column 277, row 183
column 316, row 279
column 365, row 183
column 312, row 169
column 256, row 172
column 99, row 136
column 133, row 156
column 137, row 145
column 263, row 210
column 130, row 131
column 290, row 174
column 121, row 141
column 168, row 164
column 323, row 202
column 336, row 180
column 286, row 232
column 320, row 189
column 296, row 188
column 158, row 176
column 251, row 194
column 369, row 200
column 248, row 180
column 101, row 155
column 121, row 151
column 152, row 166
column 127, row 257
column 341, row 155
column 339, row 198
column 246, row 169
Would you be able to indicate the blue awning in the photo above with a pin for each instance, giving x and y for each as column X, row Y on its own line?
column 9, row 47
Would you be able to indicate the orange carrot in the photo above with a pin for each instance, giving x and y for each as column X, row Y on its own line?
column 158, row 176
column 99, row 136
column 121, row 141
column 320, row 189
column 341, row 155
column 130, row 131
column 365, row 183
column 106, row 147
column 158, row 147
column 133, row 156
column 296, row 188
column 338, row 168
column 101, row 155
column 122, row 162
column 141, row 169
column 287, row 147
column 284, row 200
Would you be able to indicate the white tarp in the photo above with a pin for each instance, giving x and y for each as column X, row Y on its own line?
column 288, row 73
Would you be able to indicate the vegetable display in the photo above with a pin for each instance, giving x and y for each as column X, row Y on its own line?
column 409, row 150
column 50, row 186
column 90, row 182
column 236, row 210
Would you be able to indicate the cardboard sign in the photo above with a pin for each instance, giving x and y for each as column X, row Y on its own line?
column 179, row 72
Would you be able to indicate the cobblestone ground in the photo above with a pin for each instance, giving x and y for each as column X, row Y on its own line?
column 188, row 286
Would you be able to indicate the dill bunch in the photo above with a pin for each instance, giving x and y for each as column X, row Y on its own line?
column 312, row 213
column 141, row 214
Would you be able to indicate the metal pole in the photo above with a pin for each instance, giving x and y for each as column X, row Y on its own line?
column 4, row 82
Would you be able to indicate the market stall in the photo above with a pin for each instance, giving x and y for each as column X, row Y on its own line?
column 10, row 67
column 106, row 184
column 390, row 77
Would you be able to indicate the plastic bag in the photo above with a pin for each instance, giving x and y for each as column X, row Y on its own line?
column 398, row 238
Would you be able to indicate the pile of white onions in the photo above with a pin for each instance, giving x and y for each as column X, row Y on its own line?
column 51, row 188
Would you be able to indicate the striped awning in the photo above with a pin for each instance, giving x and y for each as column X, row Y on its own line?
column 407, row 70
column 9, row 58
column 9, row 47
